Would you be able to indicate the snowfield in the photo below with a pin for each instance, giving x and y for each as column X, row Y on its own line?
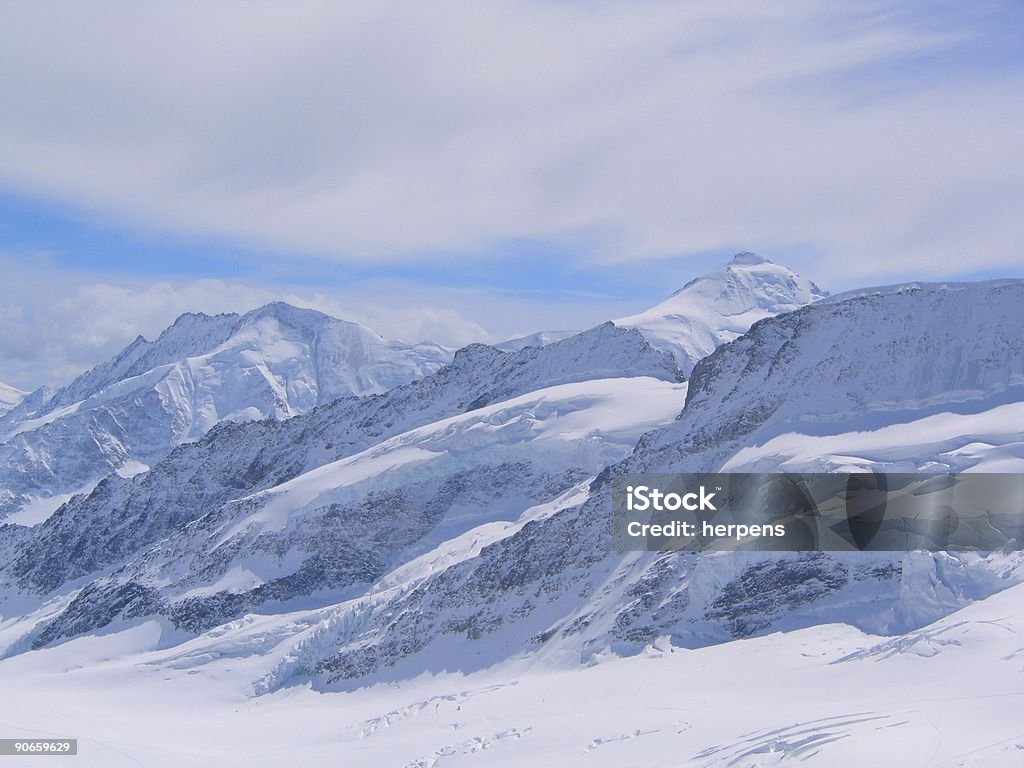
column 990, row 441
column 949, row 694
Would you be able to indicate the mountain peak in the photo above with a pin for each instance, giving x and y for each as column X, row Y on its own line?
column 720, row 306
column 276, row 362
column 282, row 310
column 747, row 258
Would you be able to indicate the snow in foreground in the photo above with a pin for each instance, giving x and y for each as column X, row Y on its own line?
column 950, row 694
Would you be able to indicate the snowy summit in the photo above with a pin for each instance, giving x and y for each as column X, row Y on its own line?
column 721, row 306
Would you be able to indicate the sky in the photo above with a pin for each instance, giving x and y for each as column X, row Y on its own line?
column 466, row 171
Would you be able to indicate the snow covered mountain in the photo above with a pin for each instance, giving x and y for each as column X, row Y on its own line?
column 124, row 515
column 9, row 397
column 124, row 415
column 458, row 525
column 709, row 310
column 720, row 306
column 336, row 530
column 435, row 569
column 279, row 361
column 859, row 363
column 881, row 359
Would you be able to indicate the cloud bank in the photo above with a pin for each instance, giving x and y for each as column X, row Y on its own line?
column 887, row 141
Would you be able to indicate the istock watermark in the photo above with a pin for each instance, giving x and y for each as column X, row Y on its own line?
column 818, row 511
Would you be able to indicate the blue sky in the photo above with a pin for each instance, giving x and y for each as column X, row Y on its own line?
column 471, row 172
column 84, row 243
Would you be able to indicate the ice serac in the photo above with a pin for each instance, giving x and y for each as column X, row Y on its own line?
column 274, row 362
column 721, row 306
column 855, row 365
column 9, row 397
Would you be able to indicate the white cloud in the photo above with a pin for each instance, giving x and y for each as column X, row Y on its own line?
column 56, row 323
column 381, row 130
column 392, row 318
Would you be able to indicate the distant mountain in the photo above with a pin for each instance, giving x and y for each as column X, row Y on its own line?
column 709, row 310
column 721, row 306
column 9, row 397
column 274, row 362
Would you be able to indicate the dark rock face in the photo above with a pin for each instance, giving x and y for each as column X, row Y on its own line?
column 337, row 547
column 96, row 606
column 765, row 590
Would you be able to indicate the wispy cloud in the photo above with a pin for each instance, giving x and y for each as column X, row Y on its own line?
column 384, row 131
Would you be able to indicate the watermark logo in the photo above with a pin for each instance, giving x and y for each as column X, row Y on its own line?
column 642, row 498
column 817, row 511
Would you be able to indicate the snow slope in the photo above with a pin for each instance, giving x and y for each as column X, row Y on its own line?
column 991, row 440
column 274, row 362
column 720, row 306
column 346, row 524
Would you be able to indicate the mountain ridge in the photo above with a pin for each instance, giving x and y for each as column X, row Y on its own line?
column 400, row 516
column 570, row 593
column 275, row 361
column 233, row 460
